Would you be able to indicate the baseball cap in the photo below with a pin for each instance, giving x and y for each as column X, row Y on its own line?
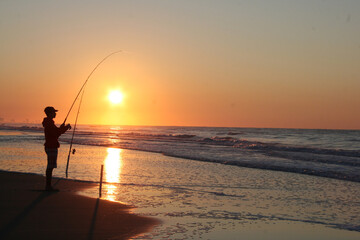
column 50, row 110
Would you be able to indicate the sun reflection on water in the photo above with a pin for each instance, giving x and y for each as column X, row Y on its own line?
column 113, row 166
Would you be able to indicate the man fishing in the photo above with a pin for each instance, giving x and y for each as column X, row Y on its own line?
column 52, row 133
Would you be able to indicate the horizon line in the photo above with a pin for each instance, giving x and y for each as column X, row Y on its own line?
column 196, row 126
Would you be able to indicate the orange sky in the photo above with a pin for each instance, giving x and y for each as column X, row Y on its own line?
column 203, row 63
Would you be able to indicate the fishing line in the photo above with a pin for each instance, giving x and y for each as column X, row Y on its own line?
column 82, row 89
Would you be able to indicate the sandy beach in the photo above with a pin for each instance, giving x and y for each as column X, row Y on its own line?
column 27, row 212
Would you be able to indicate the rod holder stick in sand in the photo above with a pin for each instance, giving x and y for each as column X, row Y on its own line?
column 101, row 178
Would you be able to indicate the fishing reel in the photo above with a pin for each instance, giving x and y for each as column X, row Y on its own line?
column 73, row 151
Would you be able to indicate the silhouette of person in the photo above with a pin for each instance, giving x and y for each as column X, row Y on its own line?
column 52, row 133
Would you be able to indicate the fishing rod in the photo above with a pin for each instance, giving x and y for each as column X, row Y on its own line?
column 87, row 79
column 82, row 89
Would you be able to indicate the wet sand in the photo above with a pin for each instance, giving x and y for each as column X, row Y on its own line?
column 28, row 212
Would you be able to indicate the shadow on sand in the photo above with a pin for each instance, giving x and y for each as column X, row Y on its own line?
column 17, row 220
column 93, row 220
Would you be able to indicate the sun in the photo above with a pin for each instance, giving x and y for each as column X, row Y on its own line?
column 116, row 97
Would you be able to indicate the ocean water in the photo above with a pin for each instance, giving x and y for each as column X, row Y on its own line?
column 212, row 183
column 327, row 153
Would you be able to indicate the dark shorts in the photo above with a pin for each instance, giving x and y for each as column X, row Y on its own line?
column 51, row 157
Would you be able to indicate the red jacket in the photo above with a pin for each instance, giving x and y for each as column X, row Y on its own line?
column 52, row 133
